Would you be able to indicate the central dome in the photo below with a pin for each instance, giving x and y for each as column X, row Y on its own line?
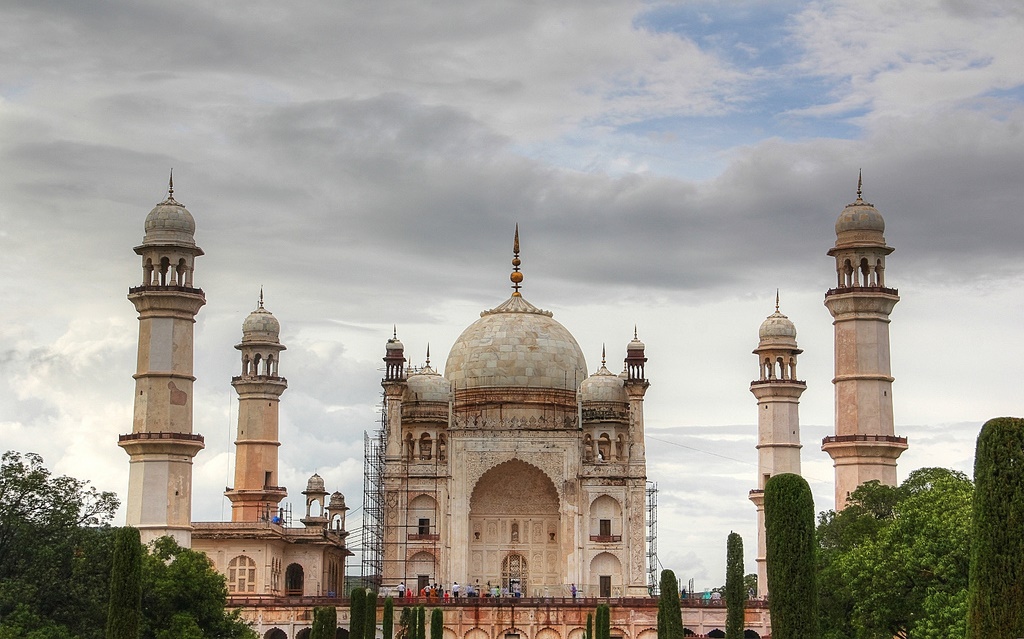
column 516, row 345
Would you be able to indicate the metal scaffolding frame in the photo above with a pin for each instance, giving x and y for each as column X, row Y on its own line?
column 653, row 583
column 373, row 506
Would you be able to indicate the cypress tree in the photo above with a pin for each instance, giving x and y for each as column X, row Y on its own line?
column 325, row 622
column 790, row 538
column 421, row 622
column 735, row 593
column 388, row 623
column 995, row 592
column 603, row 622
column 407, row 623
column 670, row 619
column 590, row 626
column 124, row 610
column 369, row 615
column 357, row 613
column 436, row 624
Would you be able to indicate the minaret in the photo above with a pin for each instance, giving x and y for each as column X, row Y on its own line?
column 256, row 492
column 636, row 386
column 778, row 417
column 864, row 446
column 161, row 444
column 394, row 384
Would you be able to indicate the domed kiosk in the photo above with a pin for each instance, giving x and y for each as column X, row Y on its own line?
column 515, row 469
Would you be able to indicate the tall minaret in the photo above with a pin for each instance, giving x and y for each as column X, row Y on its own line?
column 256, row 493
column 778, row 417
column 636, row 385
column 864, row 446
column 161, row 444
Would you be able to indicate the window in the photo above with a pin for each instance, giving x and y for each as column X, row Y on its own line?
column 424, row 527
column 606, row 527
column 606, row 586
column 242, row 574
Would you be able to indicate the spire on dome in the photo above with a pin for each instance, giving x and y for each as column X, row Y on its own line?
column 516, row 277
column 428, row 354
column 261, row 297
column 776, row 300
column 170, row 190
column 860, row 184
column 602, row 356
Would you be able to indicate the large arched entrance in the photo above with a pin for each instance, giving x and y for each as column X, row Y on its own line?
column 514, row 530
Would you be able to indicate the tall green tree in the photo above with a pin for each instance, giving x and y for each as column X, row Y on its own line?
column 56, row 550
column 357, row 613
column 388, row 621
column 436, row 624
column 996, row 587
column 407, row 623
column 602, row 622
column 670, row 620
column 124, row 610
column 421, row 622
column 325, row 622
column 894, row 562
column 182, row 595
column 735, row 592
column 589, row 634
column 370, row 615
column 790, row 538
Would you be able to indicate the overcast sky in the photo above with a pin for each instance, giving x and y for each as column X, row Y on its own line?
column 670, row 166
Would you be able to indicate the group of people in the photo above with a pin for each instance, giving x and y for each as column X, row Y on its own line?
column 436, row 591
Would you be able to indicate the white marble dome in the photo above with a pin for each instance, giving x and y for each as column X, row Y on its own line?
column 860, row 216
column 516, row 345
column 426, row 385
column 170, row 223
column 777, row 329
column 603, row 386
column 261, row 326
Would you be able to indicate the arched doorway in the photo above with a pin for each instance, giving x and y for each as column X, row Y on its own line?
column 294, row 580
column 514, row 515
column 275, row 633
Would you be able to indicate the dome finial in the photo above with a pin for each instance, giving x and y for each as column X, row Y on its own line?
column 603, row 362
column 860, row 184
column 776, row 300
column 170, row 185
column 261, row 297
column 635, row 335
column 428, row 354
column 394, row 331
column 516, row 276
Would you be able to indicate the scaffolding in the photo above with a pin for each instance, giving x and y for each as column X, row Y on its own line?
column 652, row 539
column 373, row 507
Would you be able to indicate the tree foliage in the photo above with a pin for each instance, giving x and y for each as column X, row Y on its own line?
column 602, row 622
column 406, row 623
column 735, row 592
column 421, row 622
column 789, row 534
column 370, row 615
column 670, row 621
column 356, row 613
column 996, row 588
column 894, row 562
column 124, row 610
column 589, row 633
column 55, row 552
column 183, row 594
column 388, row 621
column 436, row 624
column 325, row 622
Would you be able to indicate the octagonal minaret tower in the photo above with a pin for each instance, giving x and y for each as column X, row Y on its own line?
column 162, row 444
column 778, row 391
column 864, row 446
column 256, row 492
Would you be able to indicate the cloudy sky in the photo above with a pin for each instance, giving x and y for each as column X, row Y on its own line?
column 670, row 166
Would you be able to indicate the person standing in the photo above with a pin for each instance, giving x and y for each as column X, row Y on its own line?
column 455, row 589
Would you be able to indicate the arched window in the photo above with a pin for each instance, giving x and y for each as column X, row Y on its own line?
column 442, row 448
column 241, row 575
column 588, row 448
column 604, row 447
column 425, row 447
column 514, row 573
column 410, row 447
column 294, row 580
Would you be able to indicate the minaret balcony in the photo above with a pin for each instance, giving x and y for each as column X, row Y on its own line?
column 862, row 289
column 162, row 443
column 156, row 288
column 844, row 439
